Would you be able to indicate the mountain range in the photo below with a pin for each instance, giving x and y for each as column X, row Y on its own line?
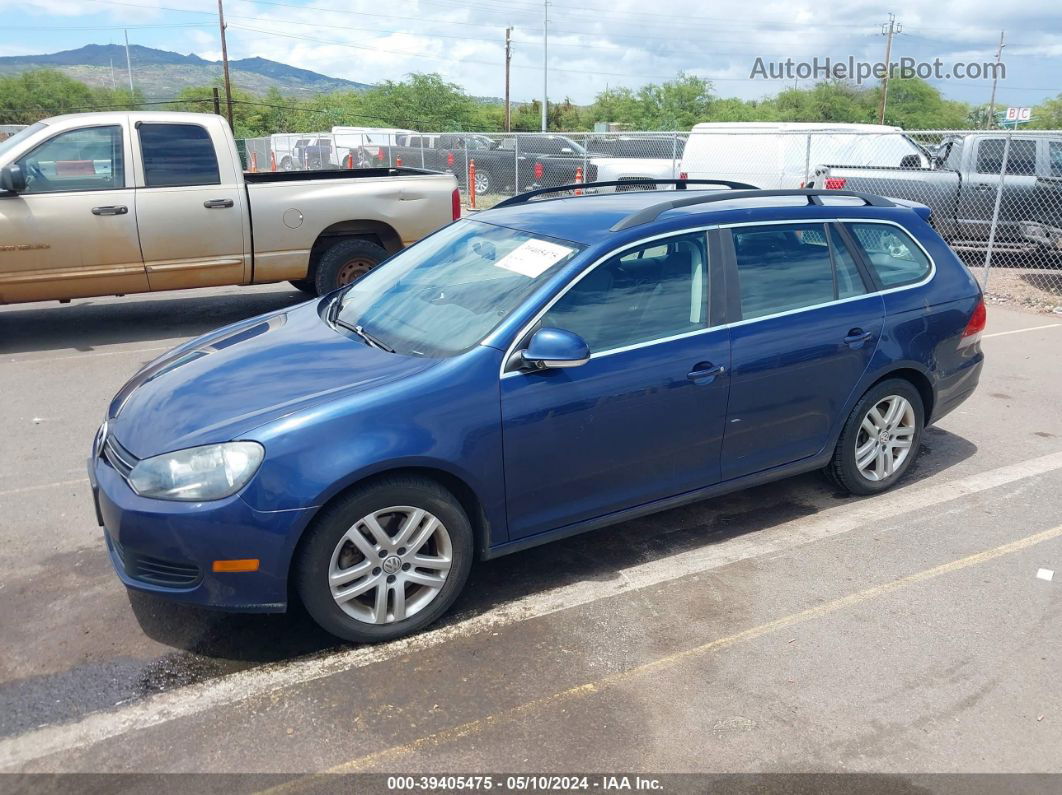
column 160, row 74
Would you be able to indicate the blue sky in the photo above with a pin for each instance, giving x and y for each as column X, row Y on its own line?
column 593, row 44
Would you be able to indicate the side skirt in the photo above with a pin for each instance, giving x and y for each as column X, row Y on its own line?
column 778, row 473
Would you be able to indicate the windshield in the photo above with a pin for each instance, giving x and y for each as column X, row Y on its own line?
column 19, row 137
column 446, row 293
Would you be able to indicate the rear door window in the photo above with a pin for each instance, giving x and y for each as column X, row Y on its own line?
column 891, row 253
column 784, row 267
column 178, row 154
column 1021, row 159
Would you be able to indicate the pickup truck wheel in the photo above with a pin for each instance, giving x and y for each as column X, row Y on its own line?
column 345, row 261
column 285, row 164
column 385, row 560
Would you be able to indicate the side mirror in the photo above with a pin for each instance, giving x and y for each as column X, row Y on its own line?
column 12, row 180
column 555, row 347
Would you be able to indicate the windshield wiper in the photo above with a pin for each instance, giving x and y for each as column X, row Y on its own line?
column 369, row 339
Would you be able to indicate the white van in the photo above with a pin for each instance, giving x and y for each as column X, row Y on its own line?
column 784, row 154
column 367, row 144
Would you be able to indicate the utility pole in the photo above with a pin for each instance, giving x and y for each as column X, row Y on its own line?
column 545, row 63
column 129, row 65
column 508, row 58
column 995, row 76
column 889, row 29
column 225, row 65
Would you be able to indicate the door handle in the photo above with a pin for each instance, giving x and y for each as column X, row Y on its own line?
column 217, row 204
column 705, row 372
column 857, row 337
column 114, row 209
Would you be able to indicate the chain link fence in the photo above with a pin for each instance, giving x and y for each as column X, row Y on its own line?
column 996, row 196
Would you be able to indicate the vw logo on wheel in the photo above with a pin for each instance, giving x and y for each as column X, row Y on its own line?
column 392, row 564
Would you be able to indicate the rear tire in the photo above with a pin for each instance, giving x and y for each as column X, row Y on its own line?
column 342, row 554
column 344, row 261
column 880, row 439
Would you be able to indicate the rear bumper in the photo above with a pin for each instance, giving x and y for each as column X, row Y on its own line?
column 168, row 548
column 959, row 384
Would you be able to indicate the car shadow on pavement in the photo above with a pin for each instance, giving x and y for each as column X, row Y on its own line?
column 87, row 323
column 219, row 642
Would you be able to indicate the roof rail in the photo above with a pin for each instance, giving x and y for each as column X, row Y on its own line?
column 680, row 184
column 652, row 212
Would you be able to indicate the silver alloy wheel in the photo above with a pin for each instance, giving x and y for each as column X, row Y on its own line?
column 390, row 564
column 482, row 183
column 885, row 437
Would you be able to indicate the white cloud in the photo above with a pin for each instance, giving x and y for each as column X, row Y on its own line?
column 594, row 43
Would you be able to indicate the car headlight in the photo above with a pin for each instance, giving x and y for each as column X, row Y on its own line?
column 210, row 472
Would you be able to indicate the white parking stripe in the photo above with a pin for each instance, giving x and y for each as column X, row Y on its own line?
column 42, row 486
column 845, row 517
column 1019, row 330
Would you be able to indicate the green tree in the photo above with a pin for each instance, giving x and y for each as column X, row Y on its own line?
column 39, row 93
column 1047, row 115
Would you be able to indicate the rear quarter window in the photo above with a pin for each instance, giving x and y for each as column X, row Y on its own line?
column 891, row 252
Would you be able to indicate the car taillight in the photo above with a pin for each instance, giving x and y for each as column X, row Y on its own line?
column 455, row 203
column 449, row 159
column 684, row 175
column 539, row 170
column 834, row 183
column 972, row 333
column 380, row 155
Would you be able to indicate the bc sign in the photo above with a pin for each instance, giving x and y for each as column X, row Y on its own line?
column 1019, row 114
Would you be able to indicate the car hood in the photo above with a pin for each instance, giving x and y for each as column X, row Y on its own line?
column 219, row 386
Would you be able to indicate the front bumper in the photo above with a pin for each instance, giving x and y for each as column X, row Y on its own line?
column 168, row 548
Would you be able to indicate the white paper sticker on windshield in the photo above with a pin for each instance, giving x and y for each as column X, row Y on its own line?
column 533, row 258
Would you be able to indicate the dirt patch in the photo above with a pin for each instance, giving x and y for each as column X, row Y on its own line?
column 1036, row 290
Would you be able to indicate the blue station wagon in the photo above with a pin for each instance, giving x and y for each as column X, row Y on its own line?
column 547, row 367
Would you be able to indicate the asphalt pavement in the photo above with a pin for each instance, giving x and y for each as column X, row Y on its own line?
column 785, row 629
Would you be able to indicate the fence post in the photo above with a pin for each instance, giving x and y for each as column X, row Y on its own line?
column 807, row 161
column 674, row 155
column 586, row 163
column 516, row 165
column 995, row 211
column 422, row 151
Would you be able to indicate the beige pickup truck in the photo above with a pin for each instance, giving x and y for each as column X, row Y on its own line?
column 130, row 202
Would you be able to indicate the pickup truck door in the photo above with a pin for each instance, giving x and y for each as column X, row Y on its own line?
column 72, row 232
column 190, row 207
column 977, row 193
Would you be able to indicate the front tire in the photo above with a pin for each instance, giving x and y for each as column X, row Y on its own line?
column 344, row 261
column 880, row 439
column 384, row 561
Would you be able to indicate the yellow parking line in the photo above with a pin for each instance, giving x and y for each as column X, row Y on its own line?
column 476, row 726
